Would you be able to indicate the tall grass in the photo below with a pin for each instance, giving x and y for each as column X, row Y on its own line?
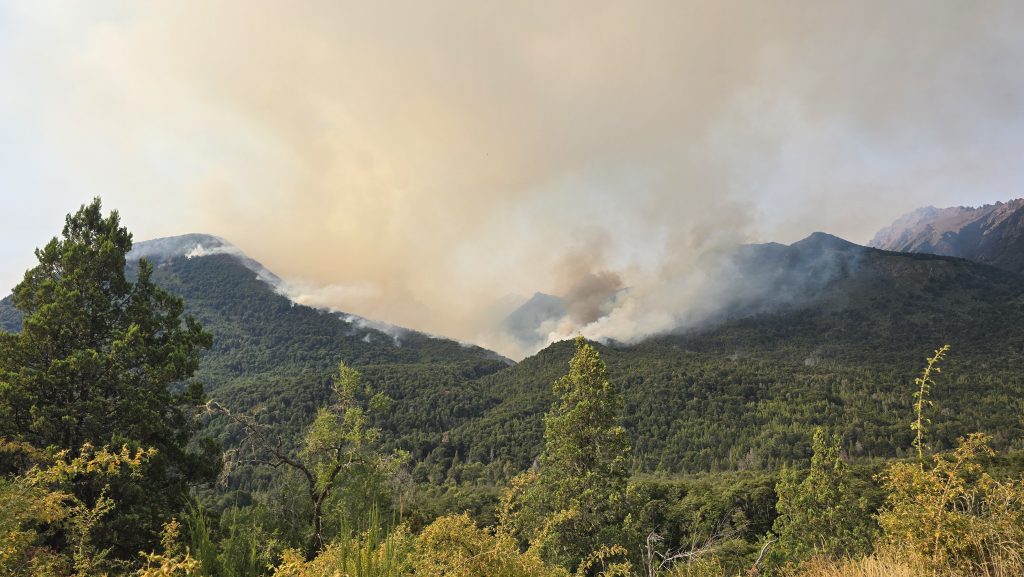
column 370, row 551
column 878, row 565
column 237, row 550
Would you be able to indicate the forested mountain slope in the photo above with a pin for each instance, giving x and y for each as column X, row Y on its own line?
column 746, row 391
column 274, row 357
column 819, row 332
column 10, row 318
column 991, row 234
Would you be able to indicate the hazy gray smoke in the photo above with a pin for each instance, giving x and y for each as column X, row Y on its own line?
column 735, row 283
column 588, row 300
column 432, row 164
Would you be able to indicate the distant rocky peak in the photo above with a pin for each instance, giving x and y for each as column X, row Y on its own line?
column 992, row 234
column 825, row 241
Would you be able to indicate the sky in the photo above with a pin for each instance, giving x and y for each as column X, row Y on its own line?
column 432, row 164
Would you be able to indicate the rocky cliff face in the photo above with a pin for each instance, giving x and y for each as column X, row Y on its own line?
column 991, row 234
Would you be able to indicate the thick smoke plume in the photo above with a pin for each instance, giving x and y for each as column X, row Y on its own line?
column 435, row 163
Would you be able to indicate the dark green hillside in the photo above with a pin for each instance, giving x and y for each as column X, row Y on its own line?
column 881, row 307
column 10, row 318
column 820, row 332
column 258, row 331
column 747, row 392
column 274, row 357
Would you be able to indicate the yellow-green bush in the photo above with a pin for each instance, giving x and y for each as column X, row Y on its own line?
column 37, row 506
column 953, row 515
column 877, row 565
column 454, row 546
column 370, row 554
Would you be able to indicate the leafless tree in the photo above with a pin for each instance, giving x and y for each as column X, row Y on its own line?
column 656, row 561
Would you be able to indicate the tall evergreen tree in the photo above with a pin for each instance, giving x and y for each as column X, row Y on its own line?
column 106, row 360
column 820, row 514
column 584, row 466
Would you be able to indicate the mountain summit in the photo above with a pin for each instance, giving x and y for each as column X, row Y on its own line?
column 991, row 234
column 159, row 251
column 248, row 310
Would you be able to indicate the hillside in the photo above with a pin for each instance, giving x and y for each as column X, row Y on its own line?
column 10, row 318
column 275, row 357
column 991, row 234
column 819, row 332
column 841, row 349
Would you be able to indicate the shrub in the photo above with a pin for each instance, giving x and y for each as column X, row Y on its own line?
column 953, row 515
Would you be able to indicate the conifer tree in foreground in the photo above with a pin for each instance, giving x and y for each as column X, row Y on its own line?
column 819, row 514
column 575, row 505
column 105, row 360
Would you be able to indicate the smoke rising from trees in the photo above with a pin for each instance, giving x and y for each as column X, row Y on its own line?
column 433, row 164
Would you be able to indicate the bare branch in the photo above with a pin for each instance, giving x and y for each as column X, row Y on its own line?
column 755, row 569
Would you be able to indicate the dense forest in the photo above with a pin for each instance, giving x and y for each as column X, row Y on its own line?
column 180, row 417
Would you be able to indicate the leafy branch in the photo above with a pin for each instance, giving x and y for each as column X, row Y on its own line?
column 925, row 383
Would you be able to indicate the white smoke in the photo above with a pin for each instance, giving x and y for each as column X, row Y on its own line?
column 200, row 250
column 396, row 333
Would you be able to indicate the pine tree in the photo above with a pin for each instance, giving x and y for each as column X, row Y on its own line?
column 820, row 514
column 106, row 360
column 584, row 464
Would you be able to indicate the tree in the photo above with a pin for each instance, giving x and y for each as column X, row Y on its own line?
column 106, row 360
column 574, row 508
column 820, row 514
column 953, row 516
column 338, row 454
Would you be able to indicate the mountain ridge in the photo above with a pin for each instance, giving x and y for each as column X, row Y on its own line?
column 992, row 234
column 705, row 397
column 819, row 332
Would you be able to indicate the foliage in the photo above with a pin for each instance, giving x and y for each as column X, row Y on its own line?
column 709, row 516
column 173, row 562
column 242, row 544
column 690, row 409
column 454, row 546
column 41, row 508
column 372, row 553
column 339, row 456
column 275, row 360
column 954, row 516
column 876, row 565
column 572, row 508
column 320, row 485
column 925, row 383
column 748, row 391
column 103, row 360
column 10, row 317
column 745, row 393
column 820, row 515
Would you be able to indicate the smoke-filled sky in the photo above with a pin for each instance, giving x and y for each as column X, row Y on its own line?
column 432, row 163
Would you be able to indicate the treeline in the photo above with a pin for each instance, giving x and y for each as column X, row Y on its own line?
column 730, row 398
column 107, row 466
column 697, row 411
column 744, row 394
